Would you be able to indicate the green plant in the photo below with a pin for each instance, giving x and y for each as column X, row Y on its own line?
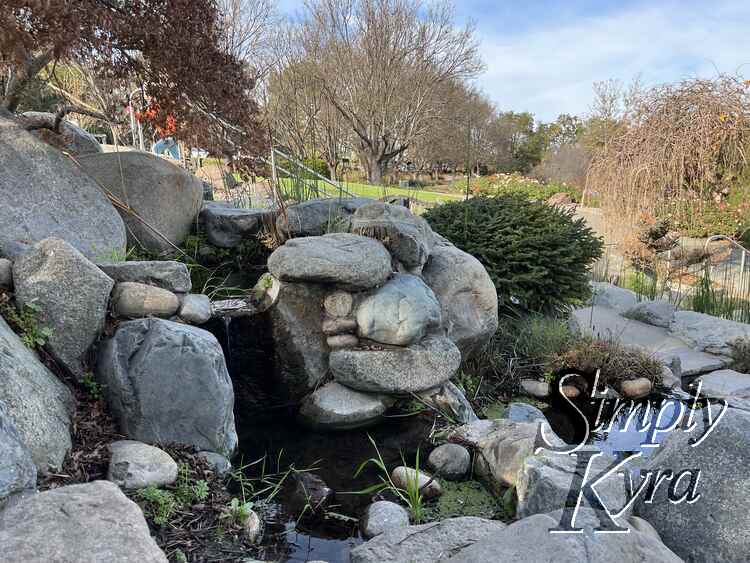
column 188, row 491
column 25, row 322
column 237, row 513
column 160, row 504
column 92, row 387
column 537, row 255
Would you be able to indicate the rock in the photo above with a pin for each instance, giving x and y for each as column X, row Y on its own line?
column 657, row 313
column 450, row 461
column 467, row 297
column 44, row 194
column 300, row 349
column 382, row 516
column 406, row 478
column 37, row 403
column 641, row 525
column 227, row 227
column 335, row 407
column 427, row 542
column 71, row 138
column 523, row 412
column 253, row 527
column 351, row 261
column 339, row 304
column 90, row 522
column 686, row 362
column 635, row 388
column 717, row 526
column 669, row 380
column 168, row 382
column 560, row 198
column 342, row 341
column 195, row 309
column 6, row 274
column 17, row 469
column 311, row 491
column 135, row 465
column 534, row 388
column 529, row 539
column 613, row 297
column 570, row 391
column 407, row 237
column 69, row 293
column 318, row 216
column 165, row 197
column 708, row 333
column 220, row 465
column 398, row 313
column 136, row 300
column 166, row 274
column 332, row 327
column 449, row 399
column 723, row 384
column 544, row 483
column 421, row 366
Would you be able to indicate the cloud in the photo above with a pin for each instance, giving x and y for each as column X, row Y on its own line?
column 549, row 69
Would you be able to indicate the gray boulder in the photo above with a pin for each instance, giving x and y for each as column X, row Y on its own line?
column 398, row 313
column 166, row 274
column 195, row 308
column 220, row 464
column 37, row 403
column 407, row 237
column 523, row 412
column 135, row 465
column 166, row 198
column 723, row 384
column 91, row 522
column 613, row 297
column 17, row 469
column 318, row 216
column 6, row 273
column 135, row 300
column 427, row 542
column 467, row 297
column 421, row 366
column 350, row 261
column 534, row 388
column 529, row 541
column 168, row 382
column 717, row 526
column 406, row 478
column 335, row 407
column 381, row 516
column 657, row 313
column 450, row 400
column 450, row 461
column 708, row 333
column 227, row 227
column 44, row 194
column 71, row 295
column 300, row 348
column 71, row 138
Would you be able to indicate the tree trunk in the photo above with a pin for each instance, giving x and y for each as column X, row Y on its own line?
column 374, row 167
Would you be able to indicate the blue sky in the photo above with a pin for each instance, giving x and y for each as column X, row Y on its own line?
column 543, row 56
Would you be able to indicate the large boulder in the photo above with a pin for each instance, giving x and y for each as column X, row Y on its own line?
column 37, row 403
column 613, row 297
column 350, row 261
column 135, row 465
column 530, row 540
column 432, row 542
column 657, row 313
column 708, row 333
column 408, row 237
column 723, row 384
column 398, row 313
column 299, row 343
column 399, row 371
column 466, row 294
column 166, row 274
column 716, row 527
column 17, row 469
column 168, row 382
column 44, row 194
column 71, row 138
column 335, row 407
column 318, row 216
column 451, row 401
column 165, row 198
column 91, row 522
column 70, row 294
column 227, row 227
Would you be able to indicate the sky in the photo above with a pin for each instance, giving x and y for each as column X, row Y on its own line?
column 543, row 56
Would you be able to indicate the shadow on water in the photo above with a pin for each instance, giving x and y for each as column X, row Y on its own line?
column 267, row 428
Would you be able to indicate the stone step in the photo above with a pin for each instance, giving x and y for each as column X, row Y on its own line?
column 724, row 384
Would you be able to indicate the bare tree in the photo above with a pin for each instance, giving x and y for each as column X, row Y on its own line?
column 381, row 64
column 249, row 28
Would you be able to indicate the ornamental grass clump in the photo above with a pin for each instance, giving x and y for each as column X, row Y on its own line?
column 537, row 255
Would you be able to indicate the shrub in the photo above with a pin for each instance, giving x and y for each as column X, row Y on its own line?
column 537, row 255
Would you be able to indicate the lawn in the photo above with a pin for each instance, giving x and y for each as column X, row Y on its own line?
column 376, row 192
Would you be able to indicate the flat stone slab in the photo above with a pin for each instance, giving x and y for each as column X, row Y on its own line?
column 724, row 384
column 693, row 362
column 351, row 261
column 335, row 407
column 166, row 274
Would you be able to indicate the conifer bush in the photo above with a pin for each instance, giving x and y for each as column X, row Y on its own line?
column 536, row 254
